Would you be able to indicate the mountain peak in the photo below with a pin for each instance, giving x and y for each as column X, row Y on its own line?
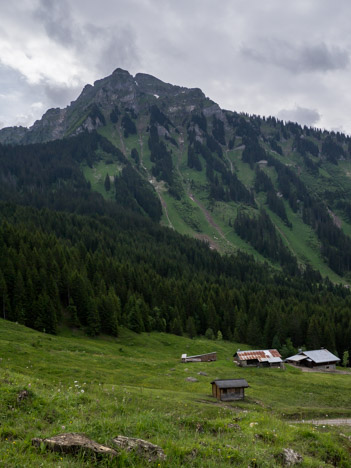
column 120, row 71
column 118, row 90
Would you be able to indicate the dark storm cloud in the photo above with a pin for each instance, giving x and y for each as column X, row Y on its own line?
column 309, row 117
column 298, row 58
column 56, row 18
column 104, row 48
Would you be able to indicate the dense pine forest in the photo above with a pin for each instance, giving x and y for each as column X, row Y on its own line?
column 98, row 273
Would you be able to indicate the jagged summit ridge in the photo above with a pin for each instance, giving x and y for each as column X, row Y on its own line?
column 97, row 101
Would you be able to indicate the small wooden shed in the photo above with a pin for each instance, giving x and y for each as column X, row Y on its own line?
column 229, row 389
column 208, row 357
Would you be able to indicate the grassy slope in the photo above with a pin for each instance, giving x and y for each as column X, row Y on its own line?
column 136, row 386
column 186, row 216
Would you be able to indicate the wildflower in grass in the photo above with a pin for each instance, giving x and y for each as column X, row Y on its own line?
column 82, row 391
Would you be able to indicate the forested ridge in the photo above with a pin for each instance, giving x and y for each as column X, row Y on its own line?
column 98, row 273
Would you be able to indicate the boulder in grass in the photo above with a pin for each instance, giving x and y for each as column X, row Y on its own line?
column 141, row 447
column 290, row 457
column 22, row 395
column 74, row 443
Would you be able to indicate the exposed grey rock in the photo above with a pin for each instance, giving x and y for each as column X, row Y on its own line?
column 234, row 426
column 74, row 443
column 199, row 139
column 141, row 447
column 162, row 131
column 23, row 394
column 119, row 89
column 211, row 110
column 290, row 457
column 191, row 379
column 199, row 427
column 202, row 373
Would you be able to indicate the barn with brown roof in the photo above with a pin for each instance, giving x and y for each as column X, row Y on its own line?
column 258, row 358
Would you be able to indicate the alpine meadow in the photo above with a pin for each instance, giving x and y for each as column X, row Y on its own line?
column 142, row 222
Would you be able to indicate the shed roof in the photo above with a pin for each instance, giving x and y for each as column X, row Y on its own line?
column 262, row 355
column 318, row 356
column 231, row 383
column 198, row 355
column 296, row 357
column 321, row 355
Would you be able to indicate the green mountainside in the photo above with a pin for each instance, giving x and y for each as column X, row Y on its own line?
column 142, row 222
column 278, row 191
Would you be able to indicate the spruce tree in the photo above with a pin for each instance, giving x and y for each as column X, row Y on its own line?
column 190, row 327
column 107, row 183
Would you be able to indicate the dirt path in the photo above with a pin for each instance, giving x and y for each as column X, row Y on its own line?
column 306, row 369
column 207, row 215
column 152, row 180
column 327, row 422
column 229, row 161
column 124, row 151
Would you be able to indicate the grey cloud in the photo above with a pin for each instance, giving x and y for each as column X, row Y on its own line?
column 116, row 47
column 298, row 58
column 60, row 95
column 302, row 115
column 57, row 20
column 104, row 48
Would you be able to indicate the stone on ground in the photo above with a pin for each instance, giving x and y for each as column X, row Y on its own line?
column 141, row 447
column 74, row 443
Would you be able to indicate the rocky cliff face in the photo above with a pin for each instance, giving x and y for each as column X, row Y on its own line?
column 95, row 103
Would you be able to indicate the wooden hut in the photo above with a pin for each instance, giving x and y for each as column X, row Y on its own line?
column 199, row 357
column 229, row 389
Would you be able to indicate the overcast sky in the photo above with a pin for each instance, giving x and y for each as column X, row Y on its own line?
column 266, row 57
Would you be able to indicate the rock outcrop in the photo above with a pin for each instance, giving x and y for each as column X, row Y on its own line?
column 290, row 457
column 143, row 448
column 73, row 443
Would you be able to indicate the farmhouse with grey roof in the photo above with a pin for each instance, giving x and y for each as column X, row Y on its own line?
column 316, row 359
